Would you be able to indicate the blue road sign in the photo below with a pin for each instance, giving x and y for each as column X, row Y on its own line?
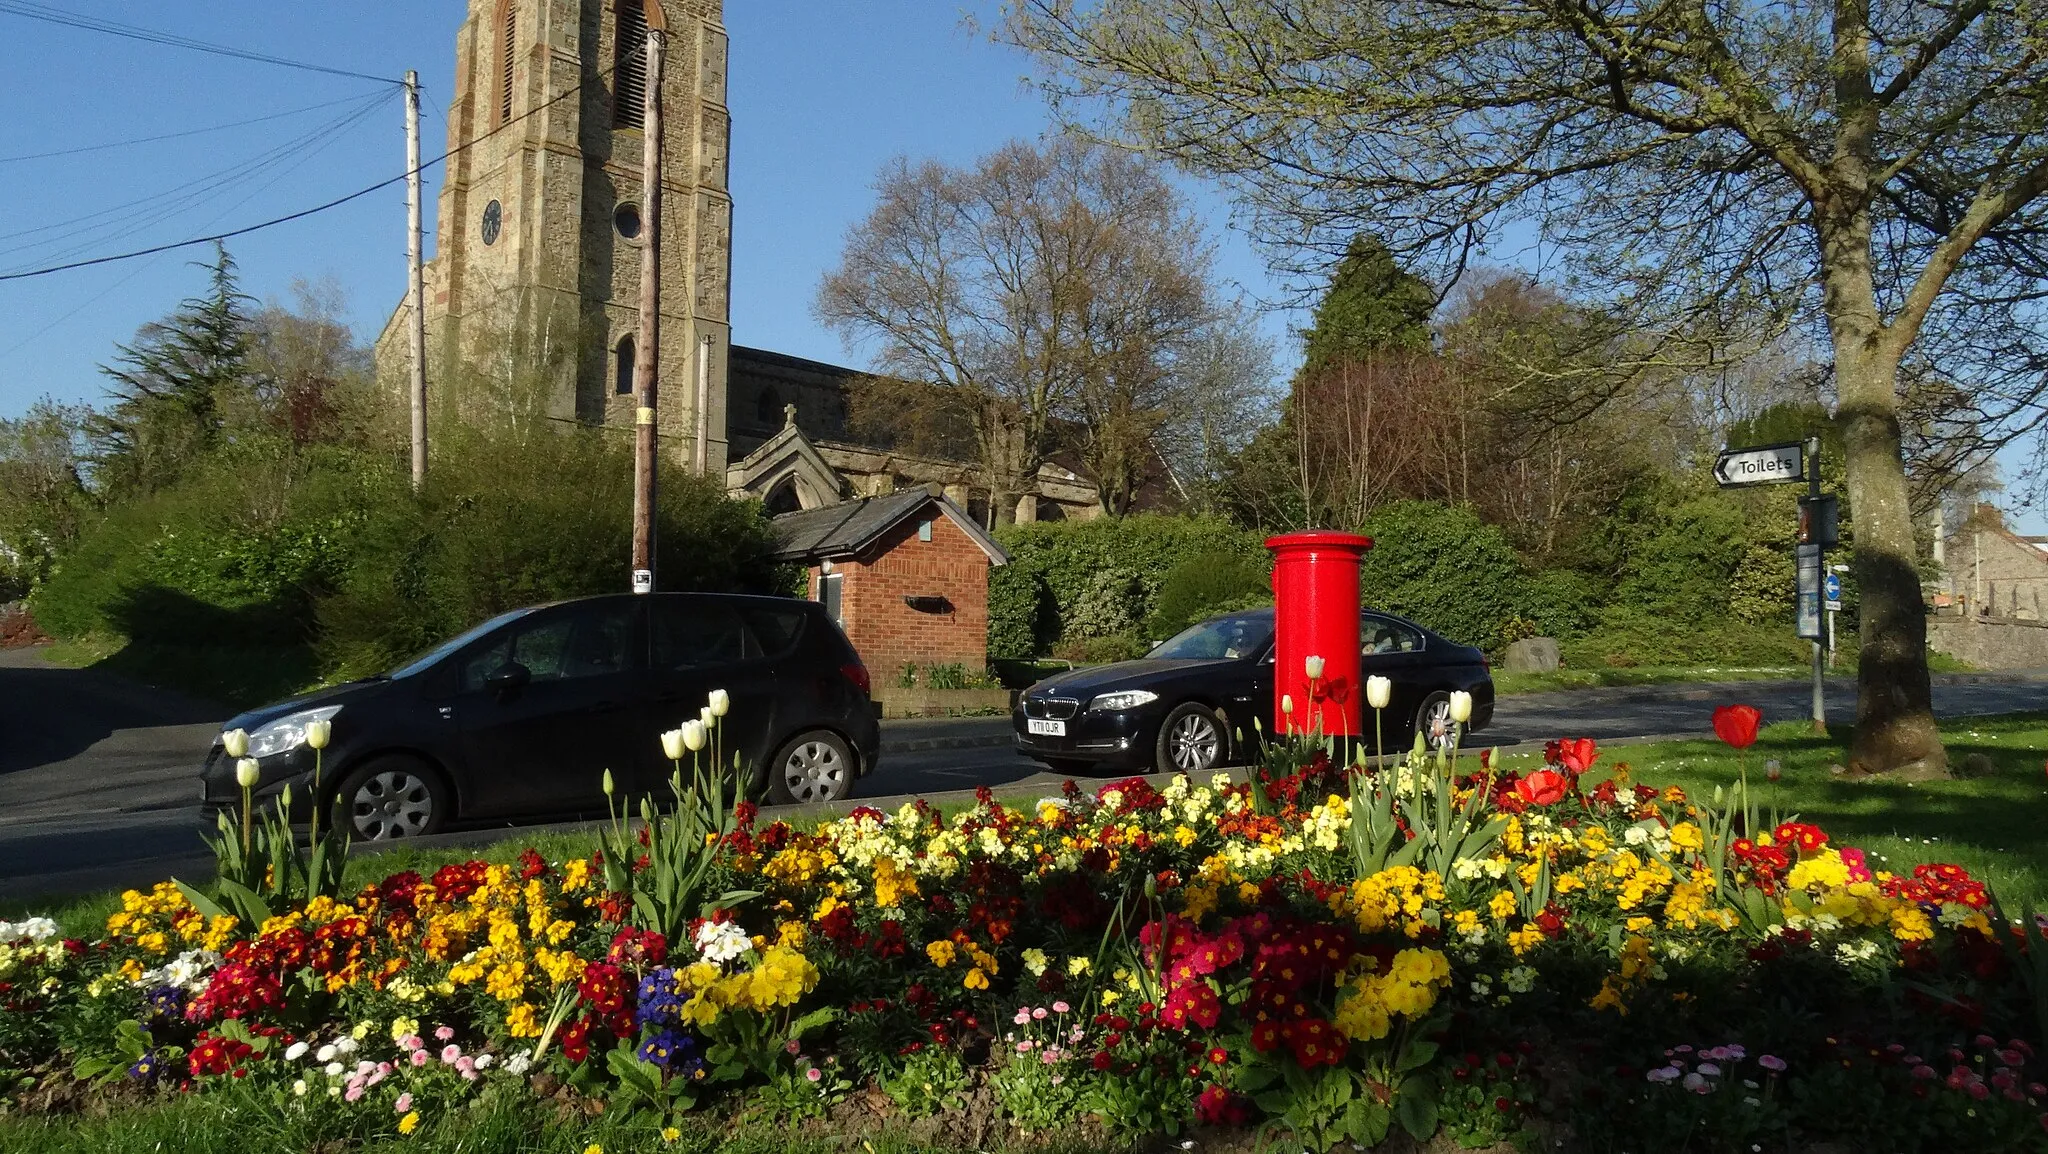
column 1832, row 586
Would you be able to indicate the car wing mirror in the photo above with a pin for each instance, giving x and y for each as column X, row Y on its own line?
column 507, row 677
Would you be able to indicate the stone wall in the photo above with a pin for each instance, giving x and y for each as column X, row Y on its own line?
column 1992, row 571
column 1990, row 642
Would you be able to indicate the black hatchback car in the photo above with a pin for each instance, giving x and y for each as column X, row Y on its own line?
column 1192, row 702
column 521, row 716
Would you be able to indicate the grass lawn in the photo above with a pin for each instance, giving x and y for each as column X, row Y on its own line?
column 1590, row 677
column 1992, row 824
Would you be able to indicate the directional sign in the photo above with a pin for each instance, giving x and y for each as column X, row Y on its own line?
column 1769, row 465
column 1832, row 586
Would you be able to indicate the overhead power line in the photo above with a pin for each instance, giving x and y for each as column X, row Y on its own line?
column 176, row 135
column 337, row 202
column 50, row 15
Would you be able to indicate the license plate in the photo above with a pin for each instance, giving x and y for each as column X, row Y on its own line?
column 1041, row 727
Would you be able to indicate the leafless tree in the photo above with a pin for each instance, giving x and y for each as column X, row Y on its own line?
column 1045, row 288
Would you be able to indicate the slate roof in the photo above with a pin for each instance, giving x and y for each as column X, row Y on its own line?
column 851, row 526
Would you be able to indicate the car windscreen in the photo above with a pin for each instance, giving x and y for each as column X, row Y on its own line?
column 425, row 660
column 1235, row 636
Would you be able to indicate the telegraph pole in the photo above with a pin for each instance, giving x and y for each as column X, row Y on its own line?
column 415, row 285
column 1814, row 521
column 649, row 351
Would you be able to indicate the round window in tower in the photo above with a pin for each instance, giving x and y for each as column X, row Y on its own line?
column 626, row 218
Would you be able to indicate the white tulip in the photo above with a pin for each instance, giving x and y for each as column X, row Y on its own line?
column 1287, row 703
column 1378, row 692
column 705, row 718
column 1313, row 666
column 1461, row 706
column 608, row 773
column 721, row 703
column 318, row 733
column 247, row 772
column 235, row 742
column 672, row 744
column 693, row 733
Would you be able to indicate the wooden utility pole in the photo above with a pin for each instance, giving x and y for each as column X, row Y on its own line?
column 648, row 359
column 415, row 285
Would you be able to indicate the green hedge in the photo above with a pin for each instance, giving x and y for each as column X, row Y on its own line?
column 1444, row 567
column 1078, row 581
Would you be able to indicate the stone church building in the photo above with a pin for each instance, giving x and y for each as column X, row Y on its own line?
column 532, row 295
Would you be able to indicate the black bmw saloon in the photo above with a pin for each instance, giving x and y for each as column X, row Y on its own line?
column 522, row 716
column 1193, row 701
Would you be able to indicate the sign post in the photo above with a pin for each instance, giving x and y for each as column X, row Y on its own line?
column 1831, row 589
column 1779, row 464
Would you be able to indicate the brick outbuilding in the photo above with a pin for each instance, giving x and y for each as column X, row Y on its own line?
column 906, row 575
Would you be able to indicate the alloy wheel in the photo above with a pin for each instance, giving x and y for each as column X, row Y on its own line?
column 814, row 772
column 1437, row 727
column 391, row 804
column 1194, row 743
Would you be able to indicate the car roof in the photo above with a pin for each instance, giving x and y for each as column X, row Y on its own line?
column 779, row 600
column 1266, row 611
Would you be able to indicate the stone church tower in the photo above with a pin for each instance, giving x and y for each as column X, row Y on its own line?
column 532, row 295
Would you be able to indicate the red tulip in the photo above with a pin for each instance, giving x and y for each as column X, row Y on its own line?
column 1736, row 724
column 1543, row 787
column 1577, row 756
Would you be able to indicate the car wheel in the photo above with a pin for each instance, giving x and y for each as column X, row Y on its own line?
column 1433, row 722
column 1190, row 740
column 391, row 798
column 810, row 768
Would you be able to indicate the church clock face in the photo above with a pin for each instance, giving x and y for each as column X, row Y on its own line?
column 494, row 219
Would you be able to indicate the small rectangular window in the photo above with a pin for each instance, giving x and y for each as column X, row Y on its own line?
column 629, row 63
column 924, row 531
column 828, row 596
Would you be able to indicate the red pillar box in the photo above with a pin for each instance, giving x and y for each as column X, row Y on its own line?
column 1315, row 593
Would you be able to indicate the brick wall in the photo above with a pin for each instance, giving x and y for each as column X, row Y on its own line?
column 890, row 634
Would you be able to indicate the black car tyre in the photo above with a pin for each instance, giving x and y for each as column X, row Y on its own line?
column 393, row 797
column 1433, row 721
column 811, row 767
column 1191, row 740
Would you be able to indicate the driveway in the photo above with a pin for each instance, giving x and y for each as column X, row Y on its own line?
column 97, row 773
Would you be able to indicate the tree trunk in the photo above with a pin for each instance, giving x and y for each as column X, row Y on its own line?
column 1895, row 726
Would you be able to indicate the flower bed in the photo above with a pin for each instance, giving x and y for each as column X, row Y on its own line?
column 1436, row 949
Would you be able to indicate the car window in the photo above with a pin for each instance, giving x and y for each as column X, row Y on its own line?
column 777, row 630
column 578, row 641
column 427, row 659
column 691, row 634
column 1378, row 635
column 1236, row 636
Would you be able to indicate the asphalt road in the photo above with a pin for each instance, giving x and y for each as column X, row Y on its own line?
column 98, row 774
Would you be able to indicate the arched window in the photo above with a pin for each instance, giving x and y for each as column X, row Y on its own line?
column 509, row 52
column 629, row 63
column 782, row 499
column 768, row 408
column 622, row 365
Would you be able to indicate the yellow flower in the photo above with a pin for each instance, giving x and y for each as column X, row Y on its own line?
column 410, row 1122
column 1686, row 835
column 400, row 1027
column 670, row 1134
column 975, row 979
column 941, row 953
column 522, row 1021
column 593, row 1148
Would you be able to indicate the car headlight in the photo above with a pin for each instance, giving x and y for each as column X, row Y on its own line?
column 287, row 732
column 1121, row 700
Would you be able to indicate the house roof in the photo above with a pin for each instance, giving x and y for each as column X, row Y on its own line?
column 849, row 527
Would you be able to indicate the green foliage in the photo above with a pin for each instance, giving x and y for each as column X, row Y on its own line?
column 1561, row 602
column 1076, row 580
column 1444, row 567
column 1627, row 636
column 1203, row 585
column 1372, row 304
column 508, row 521
column 43, row 500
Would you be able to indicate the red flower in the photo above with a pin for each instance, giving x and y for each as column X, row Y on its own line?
column 1543, row 787
column 1736, row 724
column 1266, row 1037
column 1219, row 1107
column 1577, row 756
column 1315, row 1043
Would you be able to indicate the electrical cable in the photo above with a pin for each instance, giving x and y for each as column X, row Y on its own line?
column 303, row 213
column 176, row 135
column 176, row 199
column 132, row 32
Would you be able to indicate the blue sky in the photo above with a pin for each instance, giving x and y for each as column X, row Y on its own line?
column 822, row 92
